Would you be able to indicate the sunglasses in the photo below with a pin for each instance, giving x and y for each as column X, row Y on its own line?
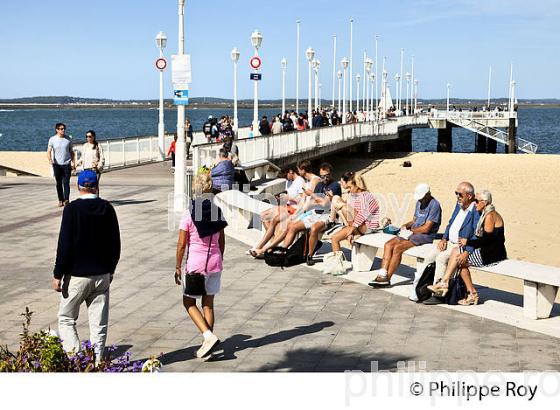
column 325, row 176
column 62, row 128
column 476, row 201
column 89, row 136
column 459, row 194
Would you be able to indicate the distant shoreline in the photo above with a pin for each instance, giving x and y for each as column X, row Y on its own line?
column 229, row 106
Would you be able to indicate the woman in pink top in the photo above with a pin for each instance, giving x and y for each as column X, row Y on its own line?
column 205, row 239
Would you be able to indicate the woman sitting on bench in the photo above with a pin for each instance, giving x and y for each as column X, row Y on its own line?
column 360, row 216
column 489, row 248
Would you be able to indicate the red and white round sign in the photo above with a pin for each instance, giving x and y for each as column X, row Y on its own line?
column 255, row 62
column 161, row 63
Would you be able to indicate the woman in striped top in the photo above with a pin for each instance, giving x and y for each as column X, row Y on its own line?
column 361, row 214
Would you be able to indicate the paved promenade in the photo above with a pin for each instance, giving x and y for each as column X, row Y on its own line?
column 268, row 319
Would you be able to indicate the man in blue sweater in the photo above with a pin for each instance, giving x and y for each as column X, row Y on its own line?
column 89, row 248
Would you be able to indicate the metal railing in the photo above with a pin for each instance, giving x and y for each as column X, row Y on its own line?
column 273, row 147
column 487, row 115
column 124, row 152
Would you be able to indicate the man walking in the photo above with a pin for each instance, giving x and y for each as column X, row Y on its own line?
column 88, row 251
column 63, row 160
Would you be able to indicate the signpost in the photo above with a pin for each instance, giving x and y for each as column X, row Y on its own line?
column 161, row 64
column 255, row 62
column 255, row 76
column 181, row 77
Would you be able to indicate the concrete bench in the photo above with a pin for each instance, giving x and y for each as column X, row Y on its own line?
column 240, row 210
column 540, row 282
column 255, row 170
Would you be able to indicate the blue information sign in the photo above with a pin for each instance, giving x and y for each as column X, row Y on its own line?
column 256, row 76
column 181, row 97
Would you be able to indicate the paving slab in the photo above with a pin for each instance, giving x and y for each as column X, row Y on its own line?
column 268, row 319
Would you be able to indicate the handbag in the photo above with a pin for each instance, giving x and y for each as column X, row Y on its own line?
column 195, row 283
column 457, row 289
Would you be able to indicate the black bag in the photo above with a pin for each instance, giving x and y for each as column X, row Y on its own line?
column 457, row 290
column 294, row 255
column 195, row 283
column 427, row 279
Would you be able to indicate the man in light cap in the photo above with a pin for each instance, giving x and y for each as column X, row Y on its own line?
column 424, row 226
column 88, row 251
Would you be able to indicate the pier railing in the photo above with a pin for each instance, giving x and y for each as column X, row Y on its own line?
column 274, row 147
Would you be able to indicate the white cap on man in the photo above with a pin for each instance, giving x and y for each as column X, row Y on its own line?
column 420, row 191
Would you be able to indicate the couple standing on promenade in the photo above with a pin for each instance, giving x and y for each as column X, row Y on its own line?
column 62, row 158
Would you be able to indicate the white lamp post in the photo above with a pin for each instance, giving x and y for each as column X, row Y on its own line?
column 372, row 80
column 283, row 64
column 407, row 76
column 397, row 81
column 400, row 82
column 161, row 41
column 415, row 96
column 309, row 53
column 384, row 93
column 339, row 75
column 316, row 65
column 448, row 88
column 350, row 61
column 344, row 63
column 297, row 67
column 179, row 202
column 368, row 64
column 256, row 41
column 333, row 68
column 235, row 59
column 358, row 77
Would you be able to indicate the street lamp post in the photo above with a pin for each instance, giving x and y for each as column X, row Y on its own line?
column 333, row 68
column 407, row 76
column 415, row 96
column 256, row 41
column 397, row 81
column 316, row 65
column 448, row 88
column 283, row 64
column 309, row 53
column 372, row 80
column 384, row 93
column 344, row 63
column 339, row 75
column 358, row 77
column 368, row 63
column 297, row 67
column 161, row 41
column 351, row 58
column 400, row 82
column 235, row 59
column 179, row 179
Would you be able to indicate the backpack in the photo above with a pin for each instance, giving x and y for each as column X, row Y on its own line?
column 427, row 279
column 294, row 255
column 207, row 128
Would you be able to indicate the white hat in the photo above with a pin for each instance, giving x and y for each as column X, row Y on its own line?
column 420, row 191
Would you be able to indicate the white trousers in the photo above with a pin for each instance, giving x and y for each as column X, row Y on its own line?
column 94, row 290
column 441, row 259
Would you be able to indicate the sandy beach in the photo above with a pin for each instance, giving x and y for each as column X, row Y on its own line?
column 524, row 189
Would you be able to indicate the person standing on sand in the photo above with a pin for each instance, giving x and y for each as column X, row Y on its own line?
column 62, row 158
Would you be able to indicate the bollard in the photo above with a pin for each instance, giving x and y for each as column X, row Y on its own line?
column 189, row 176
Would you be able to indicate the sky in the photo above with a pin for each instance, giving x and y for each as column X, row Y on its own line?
column 106, row 49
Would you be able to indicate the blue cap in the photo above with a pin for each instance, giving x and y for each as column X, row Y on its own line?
column 87, row 179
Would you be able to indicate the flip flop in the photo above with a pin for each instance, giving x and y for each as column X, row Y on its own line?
column 380, row 281
column 255, row 255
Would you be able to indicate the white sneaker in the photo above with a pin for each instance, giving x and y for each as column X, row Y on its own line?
column 207, row 346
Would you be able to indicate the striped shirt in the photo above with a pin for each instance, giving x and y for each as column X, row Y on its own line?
column 366, row 210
